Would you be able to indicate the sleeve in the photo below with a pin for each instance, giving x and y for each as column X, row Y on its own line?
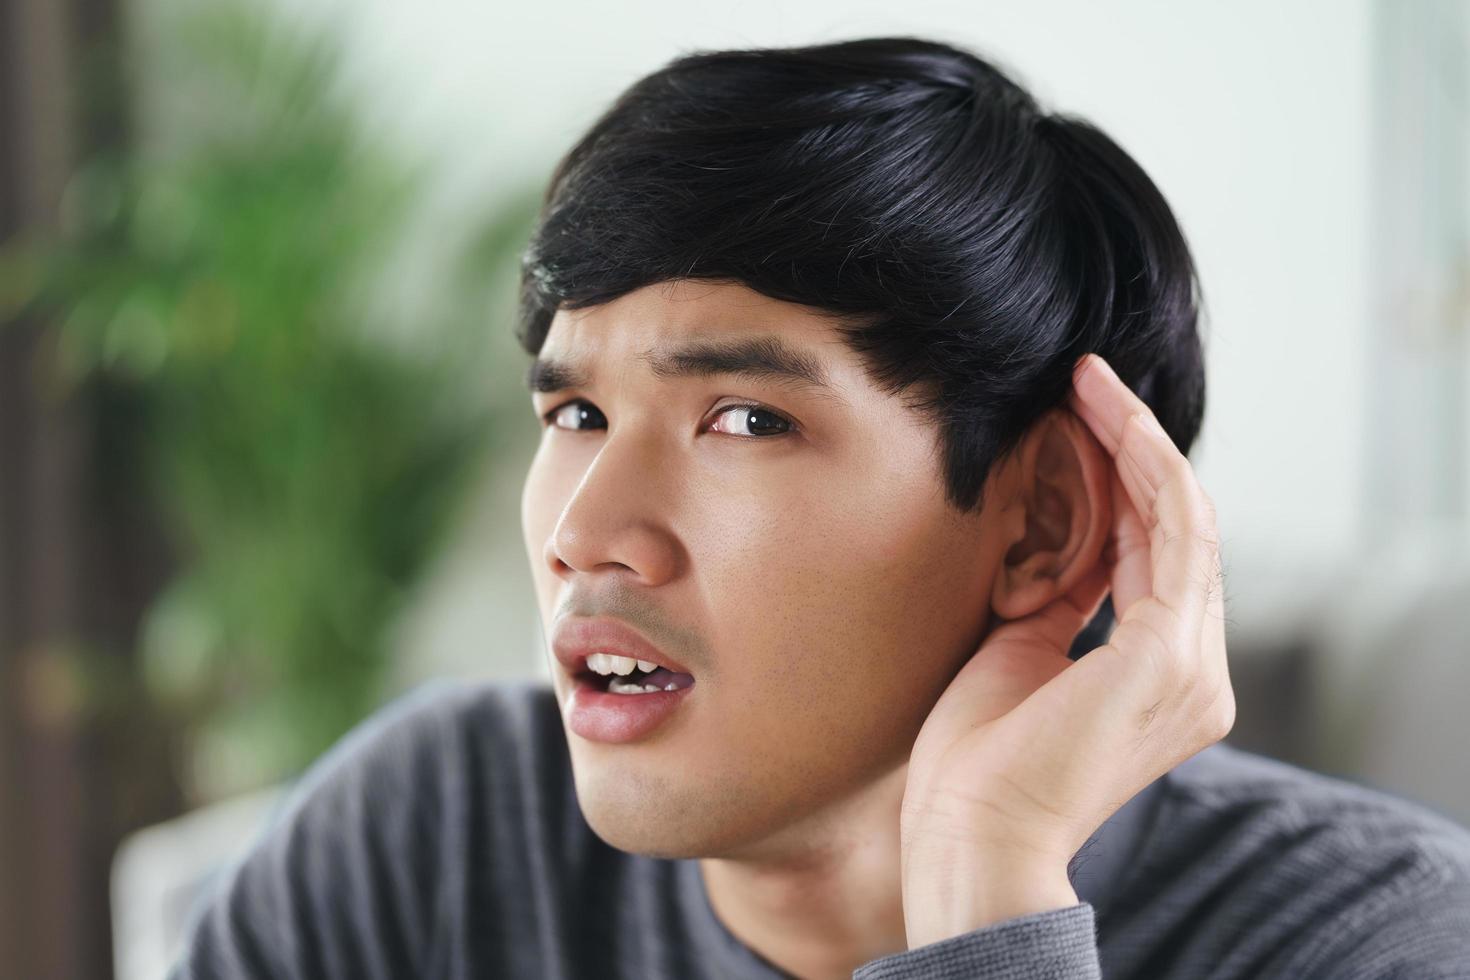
column 339, row 885
column 1059, row 944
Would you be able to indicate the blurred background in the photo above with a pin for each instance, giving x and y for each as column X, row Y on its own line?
column 262, row 431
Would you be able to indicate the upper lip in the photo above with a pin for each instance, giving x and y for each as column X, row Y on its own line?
column 577, row 637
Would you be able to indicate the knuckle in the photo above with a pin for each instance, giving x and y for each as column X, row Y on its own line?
column 1176, row 681
column 1221, row 716
column 1207, row 691
column 1147, row 716
column 1191, row 684
column 1227, row 723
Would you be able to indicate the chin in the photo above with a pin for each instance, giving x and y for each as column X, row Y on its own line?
column 640, row 832
column 640, row 815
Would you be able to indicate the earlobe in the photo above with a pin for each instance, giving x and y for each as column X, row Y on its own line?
column 1059, row 517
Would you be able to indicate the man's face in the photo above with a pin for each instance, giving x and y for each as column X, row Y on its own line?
column 811, row 577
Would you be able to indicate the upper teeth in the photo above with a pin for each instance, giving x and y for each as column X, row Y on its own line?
column 609, row 663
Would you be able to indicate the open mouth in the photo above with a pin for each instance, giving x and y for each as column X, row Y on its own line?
column 639, row 681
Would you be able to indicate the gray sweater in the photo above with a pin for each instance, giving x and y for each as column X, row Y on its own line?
column 442, row 838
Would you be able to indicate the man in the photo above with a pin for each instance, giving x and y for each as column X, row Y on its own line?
column 866, row 389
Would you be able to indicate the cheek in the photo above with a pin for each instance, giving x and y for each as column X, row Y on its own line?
column 541, row 505
column 867, row 589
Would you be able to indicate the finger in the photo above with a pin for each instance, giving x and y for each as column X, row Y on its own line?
column 1103, row 401
column 1144, row 538
column 1133, row 575
column 1212, row 639
column 1163, row 489
column 1182, row 538
column 1095, row 422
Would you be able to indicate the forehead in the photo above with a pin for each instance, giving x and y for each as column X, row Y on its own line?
column 664, row 313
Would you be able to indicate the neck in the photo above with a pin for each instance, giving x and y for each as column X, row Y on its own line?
column 825, row 899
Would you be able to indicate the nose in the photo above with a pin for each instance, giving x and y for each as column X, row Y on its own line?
column 618, row 518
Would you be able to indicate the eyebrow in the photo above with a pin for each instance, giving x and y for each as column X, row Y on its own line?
column 762, row 358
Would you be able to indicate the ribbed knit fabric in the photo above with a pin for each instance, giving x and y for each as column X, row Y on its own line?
column 442, row 839
column 1053, row 946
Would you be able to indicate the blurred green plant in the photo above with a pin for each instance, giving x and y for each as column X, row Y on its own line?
column 232, row 271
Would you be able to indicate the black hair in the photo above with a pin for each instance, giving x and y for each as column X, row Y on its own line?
column 966, row 244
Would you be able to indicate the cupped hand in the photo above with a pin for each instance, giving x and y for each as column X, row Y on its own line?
column 1026, row 753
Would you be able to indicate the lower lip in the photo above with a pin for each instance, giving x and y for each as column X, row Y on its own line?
column 599, row 716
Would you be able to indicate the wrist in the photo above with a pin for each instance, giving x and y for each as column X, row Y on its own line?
column 948, row 892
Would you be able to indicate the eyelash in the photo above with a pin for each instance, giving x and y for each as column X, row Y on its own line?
column 791, row 428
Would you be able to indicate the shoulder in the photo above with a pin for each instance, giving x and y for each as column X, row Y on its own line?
column 413, row 742
column 439, row 725
column 1264, row 799
column 440, row 710
column 446, row 759
column 1286, row 871
column 379, row 823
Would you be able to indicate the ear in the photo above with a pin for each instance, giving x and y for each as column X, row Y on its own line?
column 1057, row 517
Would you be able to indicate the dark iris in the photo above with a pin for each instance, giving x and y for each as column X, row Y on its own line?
column 584, row 410
column 755, row 428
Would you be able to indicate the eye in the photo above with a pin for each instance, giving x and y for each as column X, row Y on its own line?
column 583, row 411
column 758, row 420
